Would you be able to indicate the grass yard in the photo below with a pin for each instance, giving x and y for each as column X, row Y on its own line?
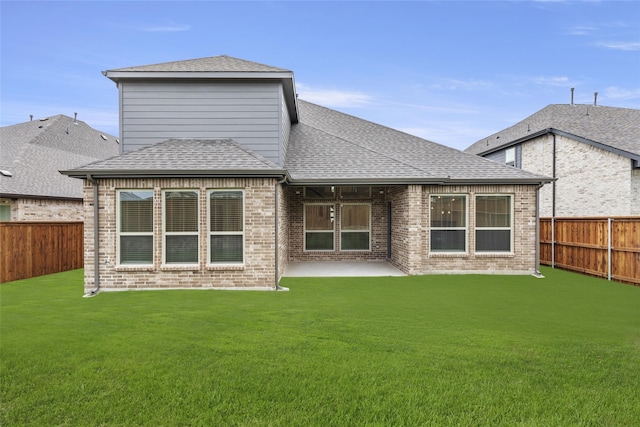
column 427, row 350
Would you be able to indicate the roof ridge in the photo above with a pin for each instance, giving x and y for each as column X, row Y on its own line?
column 249, row 151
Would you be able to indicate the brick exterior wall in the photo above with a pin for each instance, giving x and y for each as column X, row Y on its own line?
column 591, row 181
column 410, row 231
column 46, row 210
column 522, row 260
column 258, row 270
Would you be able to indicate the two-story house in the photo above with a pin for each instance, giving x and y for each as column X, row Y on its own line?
column 593, row 152
column 226, row 177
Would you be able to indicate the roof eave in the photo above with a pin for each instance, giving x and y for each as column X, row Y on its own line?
column 633, row 156
column 162, row 173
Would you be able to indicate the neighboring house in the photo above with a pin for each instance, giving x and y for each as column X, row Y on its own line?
column 32, row 153
column 227, row 176
column 593, row 152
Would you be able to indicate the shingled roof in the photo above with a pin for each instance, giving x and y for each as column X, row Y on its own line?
column 33, row 152
column 326, row 146
column 333, row 147
column 221, row 63
column 612, row 128
column 183, row 157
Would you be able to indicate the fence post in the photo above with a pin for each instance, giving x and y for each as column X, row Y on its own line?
column 609, row 220
column 553, row 242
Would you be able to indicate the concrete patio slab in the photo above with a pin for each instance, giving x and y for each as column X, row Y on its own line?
column 341, row 269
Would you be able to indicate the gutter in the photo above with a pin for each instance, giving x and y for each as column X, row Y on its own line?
column 96, row 240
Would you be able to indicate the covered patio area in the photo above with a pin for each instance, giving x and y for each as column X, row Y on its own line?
column 341, row 269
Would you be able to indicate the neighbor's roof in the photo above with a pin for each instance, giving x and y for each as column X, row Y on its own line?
column 612, row 128
column 333, row 147
column 183, row 157
column 33, row 152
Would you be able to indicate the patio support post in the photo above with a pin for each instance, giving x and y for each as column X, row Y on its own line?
column 96, row 240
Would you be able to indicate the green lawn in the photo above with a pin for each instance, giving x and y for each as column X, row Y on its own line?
column 428, row 350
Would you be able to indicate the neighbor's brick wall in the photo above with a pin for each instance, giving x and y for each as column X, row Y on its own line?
column 258, row 270
column 591, row 181
column 46, row 210
column 635, row 192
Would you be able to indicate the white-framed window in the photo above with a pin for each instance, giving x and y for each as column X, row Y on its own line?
column 494, row 223
column 448, row 222
column 353, row 193
column 135, row 227
column 181, row 227
column 226, row 226
column 510, row 156
column 323, row 192
column 319, row 227
column 355, row 227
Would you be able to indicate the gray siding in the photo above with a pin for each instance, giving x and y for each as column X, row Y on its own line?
column 500, row 156
column 285, row 128
column 250, row 113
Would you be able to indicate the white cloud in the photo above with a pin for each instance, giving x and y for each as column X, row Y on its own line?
column 617, row 93
column 334, row 97
column 625, row 46
column 581, row 30
column 552, row 80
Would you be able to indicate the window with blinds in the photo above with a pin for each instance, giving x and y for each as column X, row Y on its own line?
column 355, row 227
column 181, row 228
column 135, row 227
column 448, row 223
column 493, row 223
column 226, row 227
column 318, row 227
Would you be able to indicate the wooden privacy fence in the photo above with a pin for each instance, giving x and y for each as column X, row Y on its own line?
column 30, row 249
column 599, row 246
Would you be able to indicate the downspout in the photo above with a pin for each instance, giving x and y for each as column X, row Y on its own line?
column 277, row 242
column 537, row 261
column 96, row 240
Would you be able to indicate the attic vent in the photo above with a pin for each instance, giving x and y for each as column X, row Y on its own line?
column 5, row 173
column 45, row 119
column 118, row 141
column 103, row 137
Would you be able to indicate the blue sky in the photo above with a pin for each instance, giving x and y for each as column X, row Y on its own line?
column 452, row 72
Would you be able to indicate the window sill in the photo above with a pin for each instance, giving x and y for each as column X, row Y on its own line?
column 225, row 267
column 134, row 268
column 180, row 267
column 449, row 255
column 494, row 255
